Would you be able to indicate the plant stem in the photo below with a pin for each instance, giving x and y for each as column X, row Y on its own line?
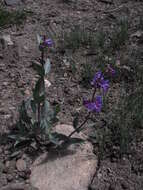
column 81, row 125
column 39, row 109
column 93, row 94
column 42, row 57
column 39, row 106
column 86, row 118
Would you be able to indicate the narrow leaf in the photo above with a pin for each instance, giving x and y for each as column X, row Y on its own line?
column 53, row 139
column 33, row 106
column 38, row 92
column 57, row 109
column 27, row 103
column 47, row 66
column 37, row 67
column 47, row 111
column 39, row 39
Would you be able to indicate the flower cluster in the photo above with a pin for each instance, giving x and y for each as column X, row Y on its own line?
column 48, row 42
column 98, row 82
column 94, row 105
column 44, row 42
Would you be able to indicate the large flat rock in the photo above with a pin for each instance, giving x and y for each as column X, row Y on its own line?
column 12, row 2
column 70, row 169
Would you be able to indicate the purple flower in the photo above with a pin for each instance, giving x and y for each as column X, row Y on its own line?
column 48, row 42
column 97, row 77
column 94, row 106
column 104, row 84
column 99, row 82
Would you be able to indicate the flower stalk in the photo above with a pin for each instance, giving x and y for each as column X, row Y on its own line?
column 95, row 104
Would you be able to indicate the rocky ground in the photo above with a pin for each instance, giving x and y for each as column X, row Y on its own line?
column 18, row 48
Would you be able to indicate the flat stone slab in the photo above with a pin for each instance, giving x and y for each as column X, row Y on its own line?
column 12, row 2
column 70, row 169
column 18, row 186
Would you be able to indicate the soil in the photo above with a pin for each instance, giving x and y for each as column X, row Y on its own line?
column 17, row 78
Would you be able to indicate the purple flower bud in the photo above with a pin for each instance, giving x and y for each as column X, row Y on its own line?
column 96, row 78
column 93, row 106
column 104, row 84
column 99, row 82
column 48, row 42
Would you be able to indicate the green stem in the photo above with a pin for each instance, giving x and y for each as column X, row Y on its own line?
column 39, row 106
column 81, row 125
column 39, row 117
column 86, row 118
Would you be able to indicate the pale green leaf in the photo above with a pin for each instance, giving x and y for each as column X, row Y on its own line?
column 39, row 39
column 47, row 66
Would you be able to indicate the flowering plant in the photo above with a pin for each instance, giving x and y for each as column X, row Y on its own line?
column 36, row 116
column 96, row 102
column 39, row 122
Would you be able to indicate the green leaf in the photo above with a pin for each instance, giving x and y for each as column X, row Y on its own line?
column 57, row 109
column 22, row 142
column 27, row 103
column 47, row 66
column 53, row 139
column 39, row 39
column 38, row 92
column 37, row 67
column 41, row 99
column 23, row 113
column 16, row 143
column 46, row 106
column 14, row 137
column 45, row 126
column 47, row 111
column 15, row 154
column 33, row 106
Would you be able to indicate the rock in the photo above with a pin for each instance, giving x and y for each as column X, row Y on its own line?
column 1, row 150
column 6, row 152
column 3, row 180
column 9, row 177
column 9, row 166
column 66, row 169
column 1, row 56
column 107, row 1
column 18, row 186
column 5, row 83
column 137, row 34
column 66, row 62
column 27, row 92
column 1, row 167
column 22, row 175
column 12, row 2
column 6, row 40
column 47, row 83
column 6, row 117
column 26, row 48
column 21, row 165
